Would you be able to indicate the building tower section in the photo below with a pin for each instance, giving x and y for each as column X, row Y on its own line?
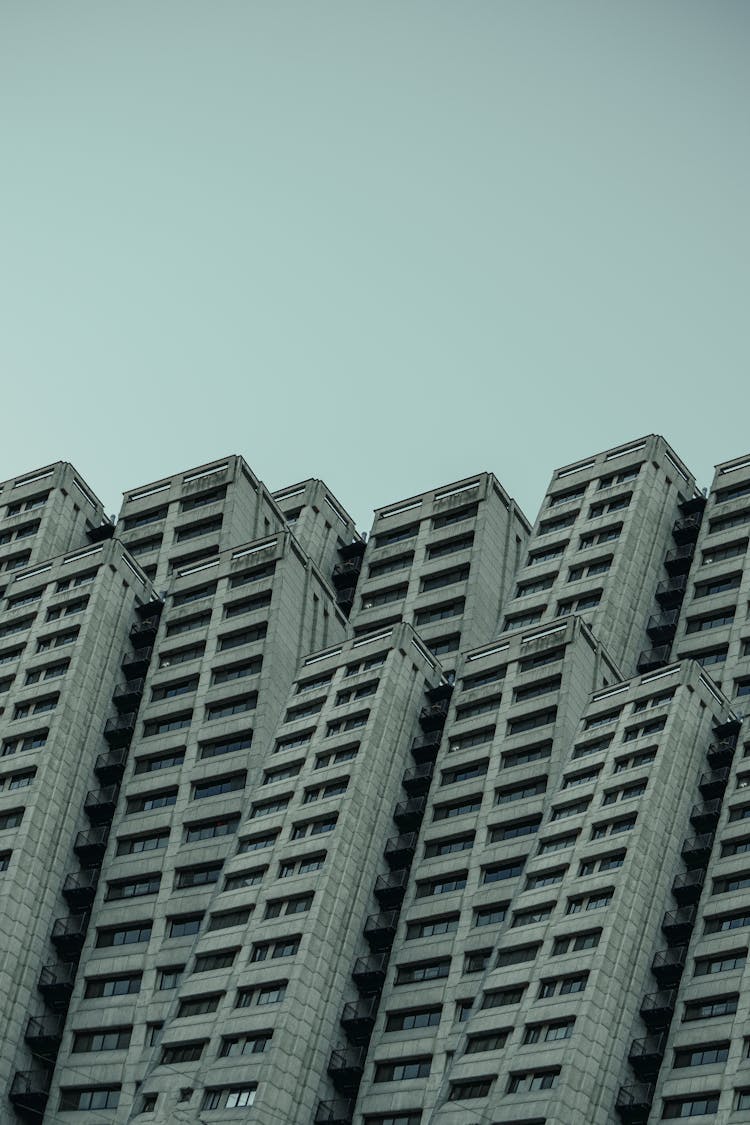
column 444, row 561
column 65, row 624
column 599, row 545
column 530, row 925
column 213, row 692
column 321, row 524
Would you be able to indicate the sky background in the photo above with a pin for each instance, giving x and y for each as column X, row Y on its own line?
column 388, row 244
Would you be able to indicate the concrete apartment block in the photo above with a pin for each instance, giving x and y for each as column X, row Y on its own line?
column 443, row 561
column 225, row 653
column 43, row 514
column 599, row 544
column 525, row 976
column 320, row 523
column 65, row 625
column 713, row 622
column 190, row 517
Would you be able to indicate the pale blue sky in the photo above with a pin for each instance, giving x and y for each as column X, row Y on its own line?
column 386, row 243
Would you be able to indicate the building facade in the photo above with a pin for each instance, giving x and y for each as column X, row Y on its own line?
column 438, row 826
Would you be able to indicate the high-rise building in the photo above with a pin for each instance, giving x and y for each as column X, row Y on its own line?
column 439, row 827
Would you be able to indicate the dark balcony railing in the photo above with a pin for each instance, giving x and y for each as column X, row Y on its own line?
column 390, row 889
column 433, row 717
column 346, row 1068
column 720, row 753
column 90, row 846
column 416, row 780
column 652, row 658
column 338, row 1112
column 127, row 696
column 358, row 1019
column 425, row 748
column 346, row 572
column 105, row 530
column 144, row 633
column 633, row 1103
column 43, row 1036
column 29, row 1092
column 697, row 849
column 118, row 730
column 662, row 626
column 730, row 728
column 68, row 936
column 670, row 594
column 399, row 850
column 677, row 925
column 669, row 964
column 380, row 930
column 55, row 985
column 678, row 560
column 110, row 767
column 688, row 885
column 713, row 783
column 646, row 1055
column 657, row 1008
column 369, row 973
column 692, row 505
column 150, row 609
column 136, row 663
column 441, row 691
column 705, row 815
column 408, row 814
column 79, row 888
column 685, row 530
column 100, row 805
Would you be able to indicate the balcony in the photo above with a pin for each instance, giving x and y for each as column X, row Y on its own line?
column 425, row 748
column 358, row 1020
column 79, row 888
column 646, row 1055
column 29, row 1092
column 433, row 716
column 150, row 609
column 55, row 985
column 705, row 816
column 668, row 965
column 441, row 691
column 657, row 1009
column 685, row 530
column 720, row 754
column 43, row 1037
column 369, row 973
column 144, row 633
column 338, row 1112
column 670, row 594
column 105, row 530
column 416, row 780
column 661, row 626
column 346, row 1068
column 728, row 729
column 633, row 1103
column 399, row 850
column 390, row 889
column 688, row 885
column 109, row 767
column 696, row 851
column 100, row 805
column 68, row 935
column 652, row 658
column 679, row 559
column 408, row 814
column 345, row 597
column 91, row 846
column 136, row 664
column 677, row 925
column 128, row 695
column 713, row 783
column 345, row 573
column 692, row 505
column 380, row 930
column 119, row 730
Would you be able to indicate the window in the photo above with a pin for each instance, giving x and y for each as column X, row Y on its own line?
column 225, row 919
column 477, row 961
column 174, row 688
column 170, row 722
column 432, row 927
column 402, row 1070
column 521, row 790
column 710, row 621
column 96, row 1097
column 229, row 1097
column 182, row 1052
column 160, row 761
column 508, row 870
column 548, row 1032
column 283, row 947
column 471, row 738
column 557, row 843
column 503, row 997
column 113, row 1039
column 384, row 597
column 169, row 977
column 131, row 934
column 302, row 866
column 594, row 901
column 574, row 808
column 185, row 925
column 468, row 1089
column 133, row 888
column 709, row 1007
column 487, row 1041
column 609, row 862
column 261, row 995
column 457, row 808
column 450, row 845
column 696, row 1106
column 413, row 1019
column 197, row 876
column 199, row 1005
column 605, row 535
column 210, row 829
column 181, row 655
column 445, row 884
column 228, row 707
column 242, row 637
column 444, row 578
column 532, row 721
column 215, row 786
column 240, row 740
column 313, row 827
column 511, row 830
column 562, row 986
column 249, row 878
column 730, row 551
column 145, row 802
column 625, row 793
column 11, row 819
column 298, row 904
column 330, row 789
column 575, row 943
column 126, row 985
column 458, row 515
column 230, row 672
column 491, row 915
column 737, row 882
column 253, row 1043
column 613, row 827
column 701, row 1055
column 547, row 878
column 423, row 971
column 532, row 915
column 267, row 808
